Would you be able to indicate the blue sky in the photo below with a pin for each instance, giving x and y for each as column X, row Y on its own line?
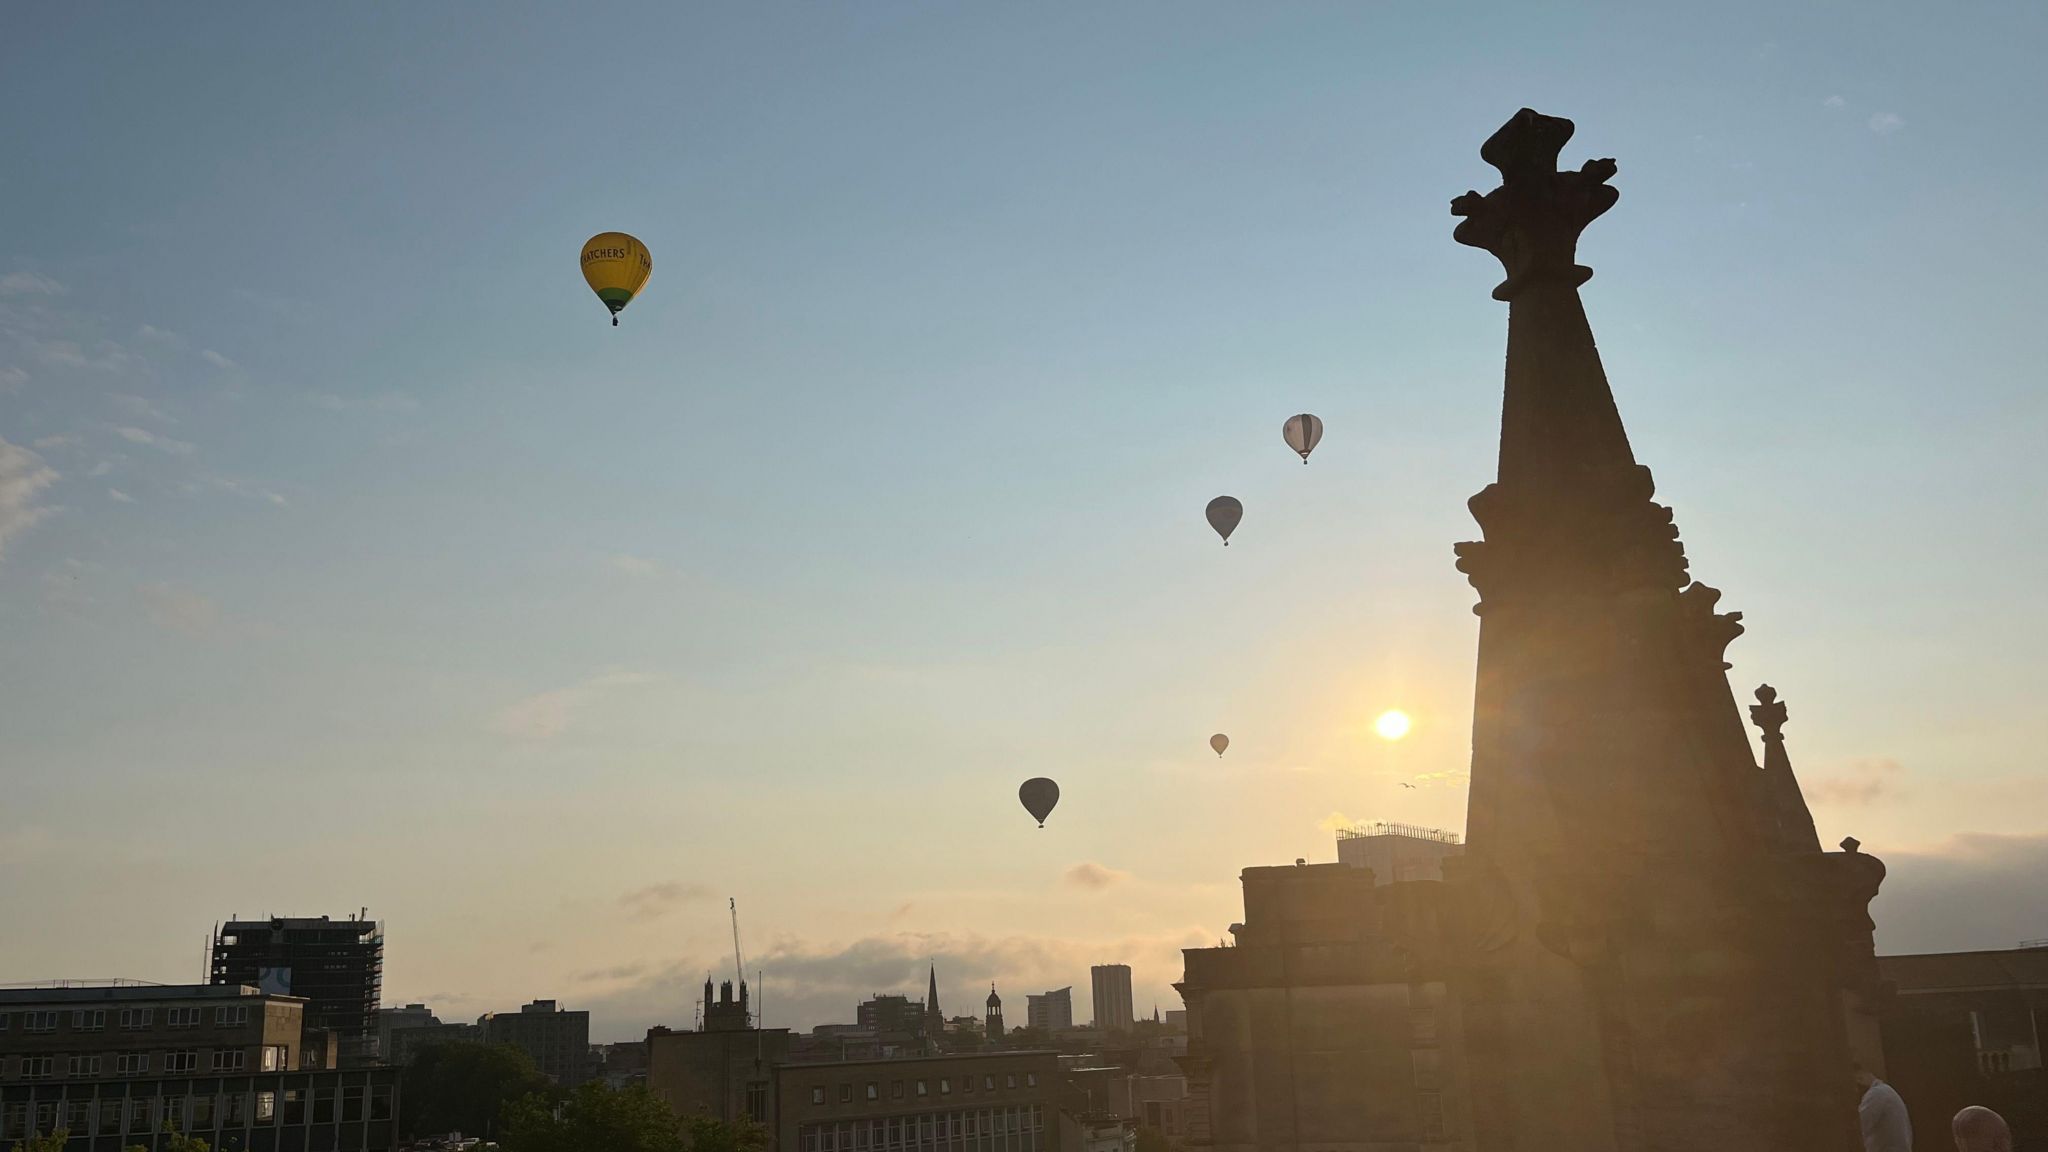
column 348, row 557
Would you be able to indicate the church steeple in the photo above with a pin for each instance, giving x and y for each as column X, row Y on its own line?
column 993, row 1024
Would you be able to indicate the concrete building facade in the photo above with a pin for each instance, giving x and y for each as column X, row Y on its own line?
column 558, row 1041
column 1111, row 986
column 1050, row 1011
column 337, row 966
column 994, row 1102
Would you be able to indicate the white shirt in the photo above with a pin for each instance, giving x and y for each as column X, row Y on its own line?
column 1885, row 1126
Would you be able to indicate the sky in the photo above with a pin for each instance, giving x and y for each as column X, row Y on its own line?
column 350, row 559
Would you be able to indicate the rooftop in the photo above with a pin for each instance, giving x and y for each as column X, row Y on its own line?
column 901, row 1061
column 87, row 991
column 1410, row 831
column 1958, row 971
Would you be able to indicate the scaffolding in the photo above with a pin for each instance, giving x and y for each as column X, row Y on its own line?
column 1411, row 831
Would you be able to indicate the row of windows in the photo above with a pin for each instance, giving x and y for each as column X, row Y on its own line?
column 1018, row 1128
column 193, row 1113
column 873, row 1089
column 273, row 1059
column 130, row 1019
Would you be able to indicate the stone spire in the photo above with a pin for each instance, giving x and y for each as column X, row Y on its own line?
column 931, row 997
column 1648, row 956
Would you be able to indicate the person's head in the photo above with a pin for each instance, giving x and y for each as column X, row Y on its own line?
column 1979, row 1129
column 1864, row 1077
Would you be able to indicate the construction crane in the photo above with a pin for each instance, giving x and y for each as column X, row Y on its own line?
column 739, row 965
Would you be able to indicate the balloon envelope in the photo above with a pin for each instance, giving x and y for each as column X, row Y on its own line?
column 1303, row 433
column 1224, row 512
column 616, row 266
column 1219, row 742
column 1039, row 795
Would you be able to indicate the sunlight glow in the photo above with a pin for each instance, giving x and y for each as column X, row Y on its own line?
column 1392, row 725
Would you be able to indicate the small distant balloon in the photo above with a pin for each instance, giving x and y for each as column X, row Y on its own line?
column 616, row 266
column 1038, row 795
column 1224, row 512
column 1219, row 742
column 1303, row 433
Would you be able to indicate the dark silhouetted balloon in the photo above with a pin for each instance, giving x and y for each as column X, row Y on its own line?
column 1219, row 742
column 1039, row 795
column 1224, row 512
column 1303, row 433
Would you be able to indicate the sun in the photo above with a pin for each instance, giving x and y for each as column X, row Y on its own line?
column 1392, row 725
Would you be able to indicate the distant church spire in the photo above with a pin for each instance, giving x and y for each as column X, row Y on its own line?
column 994, row 1021
column 931, row 997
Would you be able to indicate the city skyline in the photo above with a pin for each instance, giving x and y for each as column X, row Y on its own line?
column 322, row 495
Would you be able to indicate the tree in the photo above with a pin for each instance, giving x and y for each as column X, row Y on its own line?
column 708, row 1135
column 38, row 1142
column 174, row 1141
column 467, row 1087
column 596, row 1118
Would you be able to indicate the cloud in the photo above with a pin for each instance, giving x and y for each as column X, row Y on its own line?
column 1861, row 784
column 106, row 356
column 633, row 565
column 615, row 972
column 811, row 983
column 139, row 408
column 119, row 497
column 23, row 477
column 1886, row 123
column 1975, row 891
column 29, row 284
column 1094, row 877
column 216, row 359
column 144, row 436
column 658, row 900
column 160, row 336
column 12, row 378
column 1834, row 102
column 179, row 609
column 1337, row 822
column 546, row 715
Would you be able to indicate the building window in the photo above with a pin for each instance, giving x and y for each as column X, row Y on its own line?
column 266, row 1107
column 183, row 1017
column 235, row 1109
column 131, row 1063
column 1432, row 1117
column 896, row 1090
column 1010, row 1081
column 4, row 1017
column 294, row 1106
column 988, row 1083
column 38, row 1067
column 110, row 1115
column 138, row 1114
column 923, row 1088
column 945, row 1085
column 352, row 1105
column 757, row 1101
column 89, row 1020
column 1422, row 1027
column 229, row 1060
column 231, row 1017
column 185, row 1061
column 846, row 1093
column 202, row 1112
column 174, row 1112
column 84, row 1066
column 38, row 1021
column 275, row 1058
column 874, row 1090
column 380, row 1102
column 1031, row 1079
column 323, row 1105
column 817, row 1095
column 135, row 1019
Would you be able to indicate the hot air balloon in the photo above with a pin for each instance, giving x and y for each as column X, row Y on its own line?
column 1224, row 512
column 1039, row 795
column 1219, row 742
column 1303, row 432
column 616, row 267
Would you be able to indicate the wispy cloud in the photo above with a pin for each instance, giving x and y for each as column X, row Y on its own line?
column 139, row 408
column 1860, row 784
column 216, row 359
column 658, row 900
column 1094, row 877
column 162, row 336
column 546, row 715
column 136, row 435
column 23, row 477
column 180, row 609
column 12, row 378
column 119, row 497
column 29, row 284
column 1886, row 123
column 1834, row 102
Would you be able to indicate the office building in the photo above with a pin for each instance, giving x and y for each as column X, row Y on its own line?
column 111, row 1065
column 1112, row 989
column 1968, row 1028
column 391, row 1020
column 558, row 1041
column 889, row 1013
column 337, row 966
column 1398, row 851
column 1050, row 1011
column 1004, row 1100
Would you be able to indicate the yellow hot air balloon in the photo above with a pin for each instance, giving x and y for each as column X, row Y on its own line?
column 616, row 266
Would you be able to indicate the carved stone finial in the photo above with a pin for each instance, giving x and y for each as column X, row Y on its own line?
column 1768, row 713
column 1851, row 844
column 1533, row 220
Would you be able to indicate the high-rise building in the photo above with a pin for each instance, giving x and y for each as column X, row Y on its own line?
column 891, row 1013
column 1398, row 851
column 1112, row 987
column 337, row 966
column 1050, row 1011
column 558, row 1041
